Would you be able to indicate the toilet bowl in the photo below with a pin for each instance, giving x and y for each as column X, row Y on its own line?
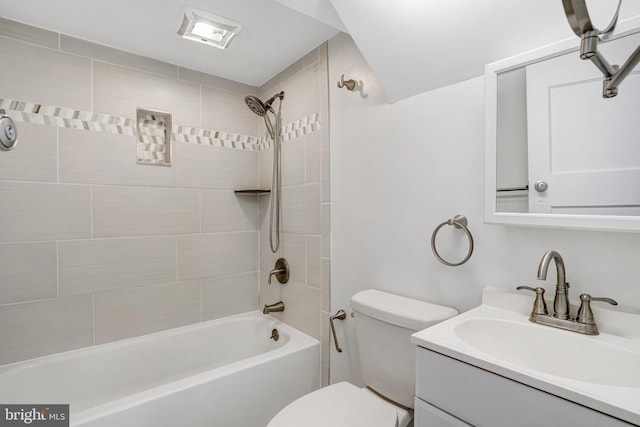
column 384, row 324
column 341, row 404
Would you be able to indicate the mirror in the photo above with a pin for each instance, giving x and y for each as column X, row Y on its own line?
column 558, row 154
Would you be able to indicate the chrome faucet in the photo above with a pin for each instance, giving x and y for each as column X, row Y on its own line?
column 278, row 306
column 584, row 322
column 561, row 300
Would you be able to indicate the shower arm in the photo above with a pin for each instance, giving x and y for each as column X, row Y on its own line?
column 279, row 96
column 580, row 22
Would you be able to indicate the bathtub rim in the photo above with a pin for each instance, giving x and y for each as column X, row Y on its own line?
column 171, row 331
column 298, row 341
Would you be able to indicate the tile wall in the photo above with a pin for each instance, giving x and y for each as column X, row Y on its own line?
column 306, row 203
column 97, row 248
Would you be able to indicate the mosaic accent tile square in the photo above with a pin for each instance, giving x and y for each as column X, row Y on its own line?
column 154, row 137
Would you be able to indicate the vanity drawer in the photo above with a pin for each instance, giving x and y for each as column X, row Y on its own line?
column 484, row 399
column 426, row 415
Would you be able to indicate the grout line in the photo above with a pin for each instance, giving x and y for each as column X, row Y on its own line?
column 200, row 211
column 93, row 317
column 202, row 300
column 57, row 155
column 31, row 301
column 58, row 269
column 176, row 261
column 127, row 237
column 304, row 165
column 306, row 260
column 28, row 42
column 92, row 88
column 15, row 181
column 91, row 207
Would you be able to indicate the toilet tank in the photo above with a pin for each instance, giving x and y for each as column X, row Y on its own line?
column 384, row 325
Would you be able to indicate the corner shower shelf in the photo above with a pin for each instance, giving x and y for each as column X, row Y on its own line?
column 252, row 192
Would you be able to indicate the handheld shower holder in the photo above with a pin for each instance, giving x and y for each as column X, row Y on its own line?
column 261, row 109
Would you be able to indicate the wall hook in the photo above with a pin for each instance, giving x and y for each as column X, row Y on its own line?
column 349, row 84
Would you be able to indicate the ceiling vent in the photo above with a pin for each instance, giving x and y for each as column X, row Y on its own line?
column 205, row 27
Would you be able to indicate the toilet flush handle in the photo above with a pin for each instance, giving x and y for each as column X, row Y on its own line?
column 340, row 315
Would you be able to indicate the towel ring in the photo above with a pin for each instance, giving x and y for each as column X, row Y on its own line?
column 460, row 222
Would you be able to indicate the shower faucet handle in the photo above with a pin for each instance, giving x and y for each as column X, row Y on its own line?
column 8, row 132
column 281, row 271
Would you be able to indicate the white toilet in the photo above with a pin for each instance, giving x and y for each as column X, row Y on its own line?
column 384, row 324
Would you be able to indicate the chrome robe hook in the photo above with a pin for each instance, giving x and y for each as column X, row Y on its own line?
column 349, row 84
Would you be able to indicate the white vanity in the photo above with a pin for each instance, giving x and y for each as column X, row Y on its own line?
column 491, row 367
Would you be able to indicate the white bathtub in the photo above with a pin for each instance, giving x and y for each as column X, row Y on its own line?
column 223, row 373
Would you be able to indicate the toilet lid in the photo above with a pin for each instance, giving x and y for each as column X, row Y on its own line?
column 339, row 405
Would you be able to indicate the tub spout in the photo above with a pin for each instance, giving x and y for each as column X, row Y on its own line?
column 279, row 306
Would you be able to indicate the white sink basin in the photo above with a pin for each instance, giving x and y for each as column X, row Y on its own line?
column 599, row 372
column 552, row 351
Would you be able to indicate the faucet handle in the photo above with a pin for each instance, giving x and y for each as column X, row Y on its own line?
column 607, row 300
column 585, row 315
column 539, row 305
column 281, row 271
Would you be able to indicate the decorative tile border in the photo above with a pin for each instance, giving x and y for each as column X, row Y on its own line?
column 296, row 129
column 48, row 115
column 307, row 125
column 29, row 112
column 191, row 135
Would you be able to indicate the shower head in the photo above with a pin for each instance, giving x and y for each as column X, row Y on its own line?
column 257, row 106
column 261, row 108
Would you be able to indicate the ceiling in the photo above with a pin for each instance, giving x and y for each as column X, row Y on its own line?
column 417, row 45
column 273, row 35
column 412, row 46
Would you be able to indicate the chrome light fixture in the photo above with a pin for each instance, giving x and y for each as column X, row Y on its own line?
column 580, row 22
column 205, row 27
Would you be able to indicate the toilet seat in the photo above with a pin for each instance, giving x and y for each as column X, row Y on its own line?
column 340, row 405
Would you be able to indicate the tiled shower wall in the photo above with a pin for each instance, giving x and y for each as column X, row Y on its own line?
column 97, row 248
column 305, row 241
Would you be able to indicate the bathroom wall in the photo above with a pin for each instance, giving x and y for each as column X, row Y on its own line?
column 399, row 170
column 95, row 247
column 305, row 241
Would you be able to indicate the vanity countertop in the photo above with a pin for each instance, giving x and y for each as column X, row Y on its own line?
column 619, row 331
